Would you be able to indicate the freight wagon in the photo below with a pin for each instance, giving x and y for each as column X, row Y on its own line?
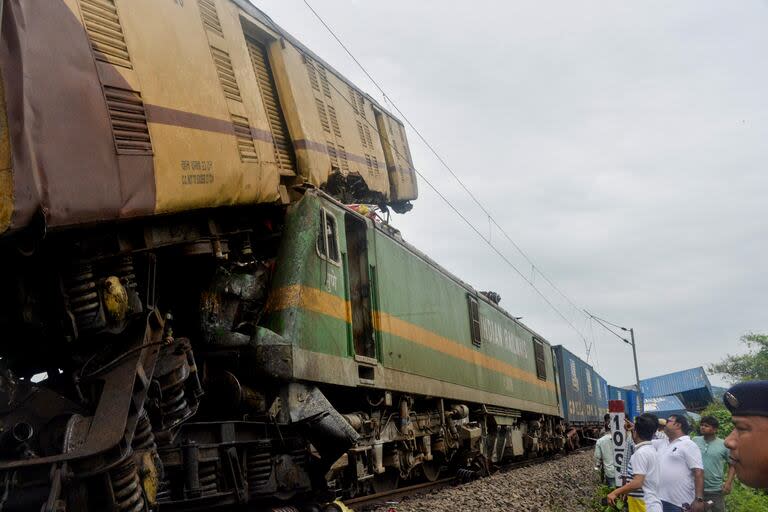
column 633, row 401
column 578, row 389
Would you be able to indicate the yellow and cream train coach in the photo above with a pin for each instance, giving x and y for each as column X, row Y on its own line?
column 114, row 109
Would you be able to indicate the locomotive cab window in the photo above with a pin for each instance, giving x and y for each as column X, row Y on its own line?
column 538, row 353
column 328, row 237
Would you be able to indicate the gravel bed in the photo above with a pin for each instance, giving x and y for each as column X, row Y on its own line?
column 567, row 484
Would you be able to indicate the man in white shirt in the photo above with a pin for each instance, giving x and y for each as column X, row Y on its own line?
column 681, row 481
column 642, row 490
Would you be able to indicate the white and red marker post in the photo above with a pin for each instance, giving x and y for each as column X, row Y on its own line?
column 619, row 439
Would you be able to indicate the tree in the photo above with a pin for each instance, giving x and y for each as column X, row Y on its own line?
column 750, row 366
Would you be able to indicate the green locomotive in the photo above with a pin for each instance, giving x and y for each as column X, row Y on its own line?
column 377, row 364
column 412, row 370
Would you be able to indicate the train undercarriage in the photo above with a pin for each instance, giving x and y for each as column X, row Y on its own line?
column 134, row 377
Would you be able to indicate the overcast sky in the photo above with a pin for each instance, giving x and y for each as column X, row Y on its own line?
column 622, row 145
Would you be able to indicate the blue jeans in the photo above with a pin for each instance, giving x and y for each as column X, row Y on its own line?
column 668, row 507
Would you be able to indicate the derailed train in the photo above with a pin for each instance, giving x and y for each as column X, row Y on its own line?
column 192, row 317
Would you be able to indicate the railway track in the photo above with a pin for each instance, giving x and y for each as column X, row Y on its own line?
column 372, row 501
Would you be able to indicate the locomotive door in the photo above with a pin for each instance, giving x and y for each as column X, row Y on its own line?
column 359, row 281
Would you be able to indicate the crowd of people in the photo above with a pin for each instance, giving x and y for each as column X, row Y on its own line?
column 668, row 471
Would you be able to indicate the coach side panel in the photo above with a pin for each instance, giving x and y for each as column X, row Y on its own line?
column 162, row 106
column 425, row 327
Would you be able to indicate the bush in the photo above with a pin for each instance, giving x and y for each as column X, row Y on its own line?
column 745, row 499
column 600, row 495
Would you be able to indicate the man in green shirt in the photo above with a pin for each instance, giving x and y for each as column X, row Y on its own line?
column 714, row 455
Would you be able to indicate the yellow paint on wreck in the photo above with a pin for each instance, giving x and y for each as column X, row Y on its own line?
column 167, row 56
column 196, row 157
column 332, row 124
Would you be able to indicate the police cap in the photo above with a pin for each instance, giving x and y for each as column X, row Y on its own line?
column 748, row 398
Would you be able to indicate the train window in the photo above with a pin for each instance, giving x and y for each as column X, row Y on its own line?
column 327, row 237
column 541, row 365
column 474, row 320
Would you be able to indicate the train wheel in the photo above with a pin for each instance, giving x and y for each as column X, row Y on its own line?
column 386, row 481
column 431, row 469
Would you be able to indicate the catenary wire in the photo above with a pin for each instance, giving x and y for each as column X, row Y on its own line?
column 490, row 217
column 461, row 183
column 606, row 321
column 453, row 207
column 600, row 321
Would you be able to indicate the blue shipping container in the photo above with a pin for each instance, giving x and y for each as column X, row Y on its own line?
column 602, row 395
column 691, row 386
column 664, row 406
column 633, row 401
column 578, row 388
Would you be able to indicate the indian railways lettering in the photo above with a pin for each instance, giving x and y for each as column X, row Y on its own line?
column 493, row 332
column 203, row 176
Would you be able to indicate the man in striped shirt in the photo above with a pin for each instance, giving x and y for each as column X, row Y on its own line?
column 643, row 469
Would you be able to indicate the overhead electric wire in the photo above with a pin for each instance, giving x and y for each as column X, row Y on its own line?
column 464, row 187
column 441, row 160
column 600, row 321
column 606, row 321
column 440, row 194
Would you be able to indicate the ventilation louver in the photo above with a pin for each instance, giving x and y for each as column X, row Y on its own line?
column 210, row 16
column 226, row 74
column 129, row 121
column 334, row 121
column 245, row 145
column 323, row 115
column 280, row 136
column 105, row 33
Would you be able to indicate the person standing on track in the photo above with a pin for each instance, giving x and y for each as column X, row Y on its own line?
column 660, row 432
column 714, row 455
column 681, row 481
column 748, row 442
column 642, row 490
